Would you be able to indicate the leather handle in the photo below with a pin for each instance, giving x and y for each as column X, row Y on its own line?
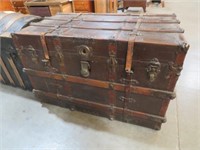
column 129, row 55
column 131, row 43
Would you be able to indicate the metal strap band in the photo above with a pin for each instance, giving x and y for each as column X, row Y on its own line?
column 129, row 59
column 12, row 21
column 43, row 41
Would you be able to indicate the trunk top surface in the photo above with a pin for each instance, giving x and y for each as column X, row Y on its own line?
column 153, row 29
column 159, row 37
column 12, row 22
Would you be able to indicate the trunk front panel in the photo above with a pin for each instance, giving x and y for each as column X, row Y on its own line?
column 137, row 102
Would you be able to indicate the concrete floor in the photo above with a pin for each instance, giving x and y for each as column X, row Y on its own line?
column 29, row 124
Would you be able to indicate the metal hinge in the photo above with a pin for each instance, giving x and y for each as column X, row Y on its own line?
column 175, row 69
column 124, row 99
column 112, row 62
column 127, row 81
column 32, row 51
column 183, row 48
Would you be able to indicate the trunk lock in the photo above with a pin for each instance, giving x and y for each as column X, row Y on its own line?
column 85, row 53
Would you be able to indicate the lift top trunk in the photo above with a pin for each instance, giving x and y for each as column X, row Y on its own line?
column 120, row 66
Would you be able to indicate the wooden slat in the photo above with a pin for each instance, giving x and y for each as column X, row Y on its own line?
column 6, row 71
column 101, row 84
column 16, row 72
column 97, row 106
column 1, row 79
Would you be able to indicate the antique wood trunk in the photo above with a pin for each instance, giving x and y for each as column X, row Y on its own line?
column 49, row 7
column 120, row 66
column 10, row 64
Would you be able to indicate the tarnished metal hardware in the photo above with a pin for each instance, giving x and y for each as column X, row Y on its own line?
column 33, row 53
column 46, row 62
column 184, row 47
column 47, row 65
column 130, row 100
column 59, row 54
column 112, row 62
column 112, row 48
column 111, row 115
column 153, row 69
column 174, row 69
column 85, row 69
column 164, row 94
column 85, row 54
column 131, row 82
column 60, row 57
column 111, row 85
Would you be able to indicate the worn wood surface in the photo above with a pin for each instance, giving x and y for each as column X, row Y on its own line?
column 11, row 67
column 81, row 58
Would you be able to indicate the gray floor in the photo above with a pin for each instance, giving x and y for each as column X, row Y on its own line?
column 29, row 124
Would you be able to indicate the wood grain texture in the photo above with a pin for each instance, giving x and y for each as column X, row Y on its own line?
column 5, row 5
column 87, row 57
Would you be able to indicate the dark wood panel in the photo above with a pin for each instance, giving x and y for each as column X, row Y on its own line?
column 84, row 5
column 83, row 63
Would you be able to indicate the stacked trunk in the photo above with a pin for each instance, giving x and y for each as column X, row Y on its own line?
column 11, row 67
column 120, row 66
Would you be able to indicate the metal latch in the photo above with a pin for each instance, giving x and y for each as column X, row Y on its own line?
column 112, row 63
column 153, row 69
column 33, row 53
column 85, row 53
column 85, row 68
